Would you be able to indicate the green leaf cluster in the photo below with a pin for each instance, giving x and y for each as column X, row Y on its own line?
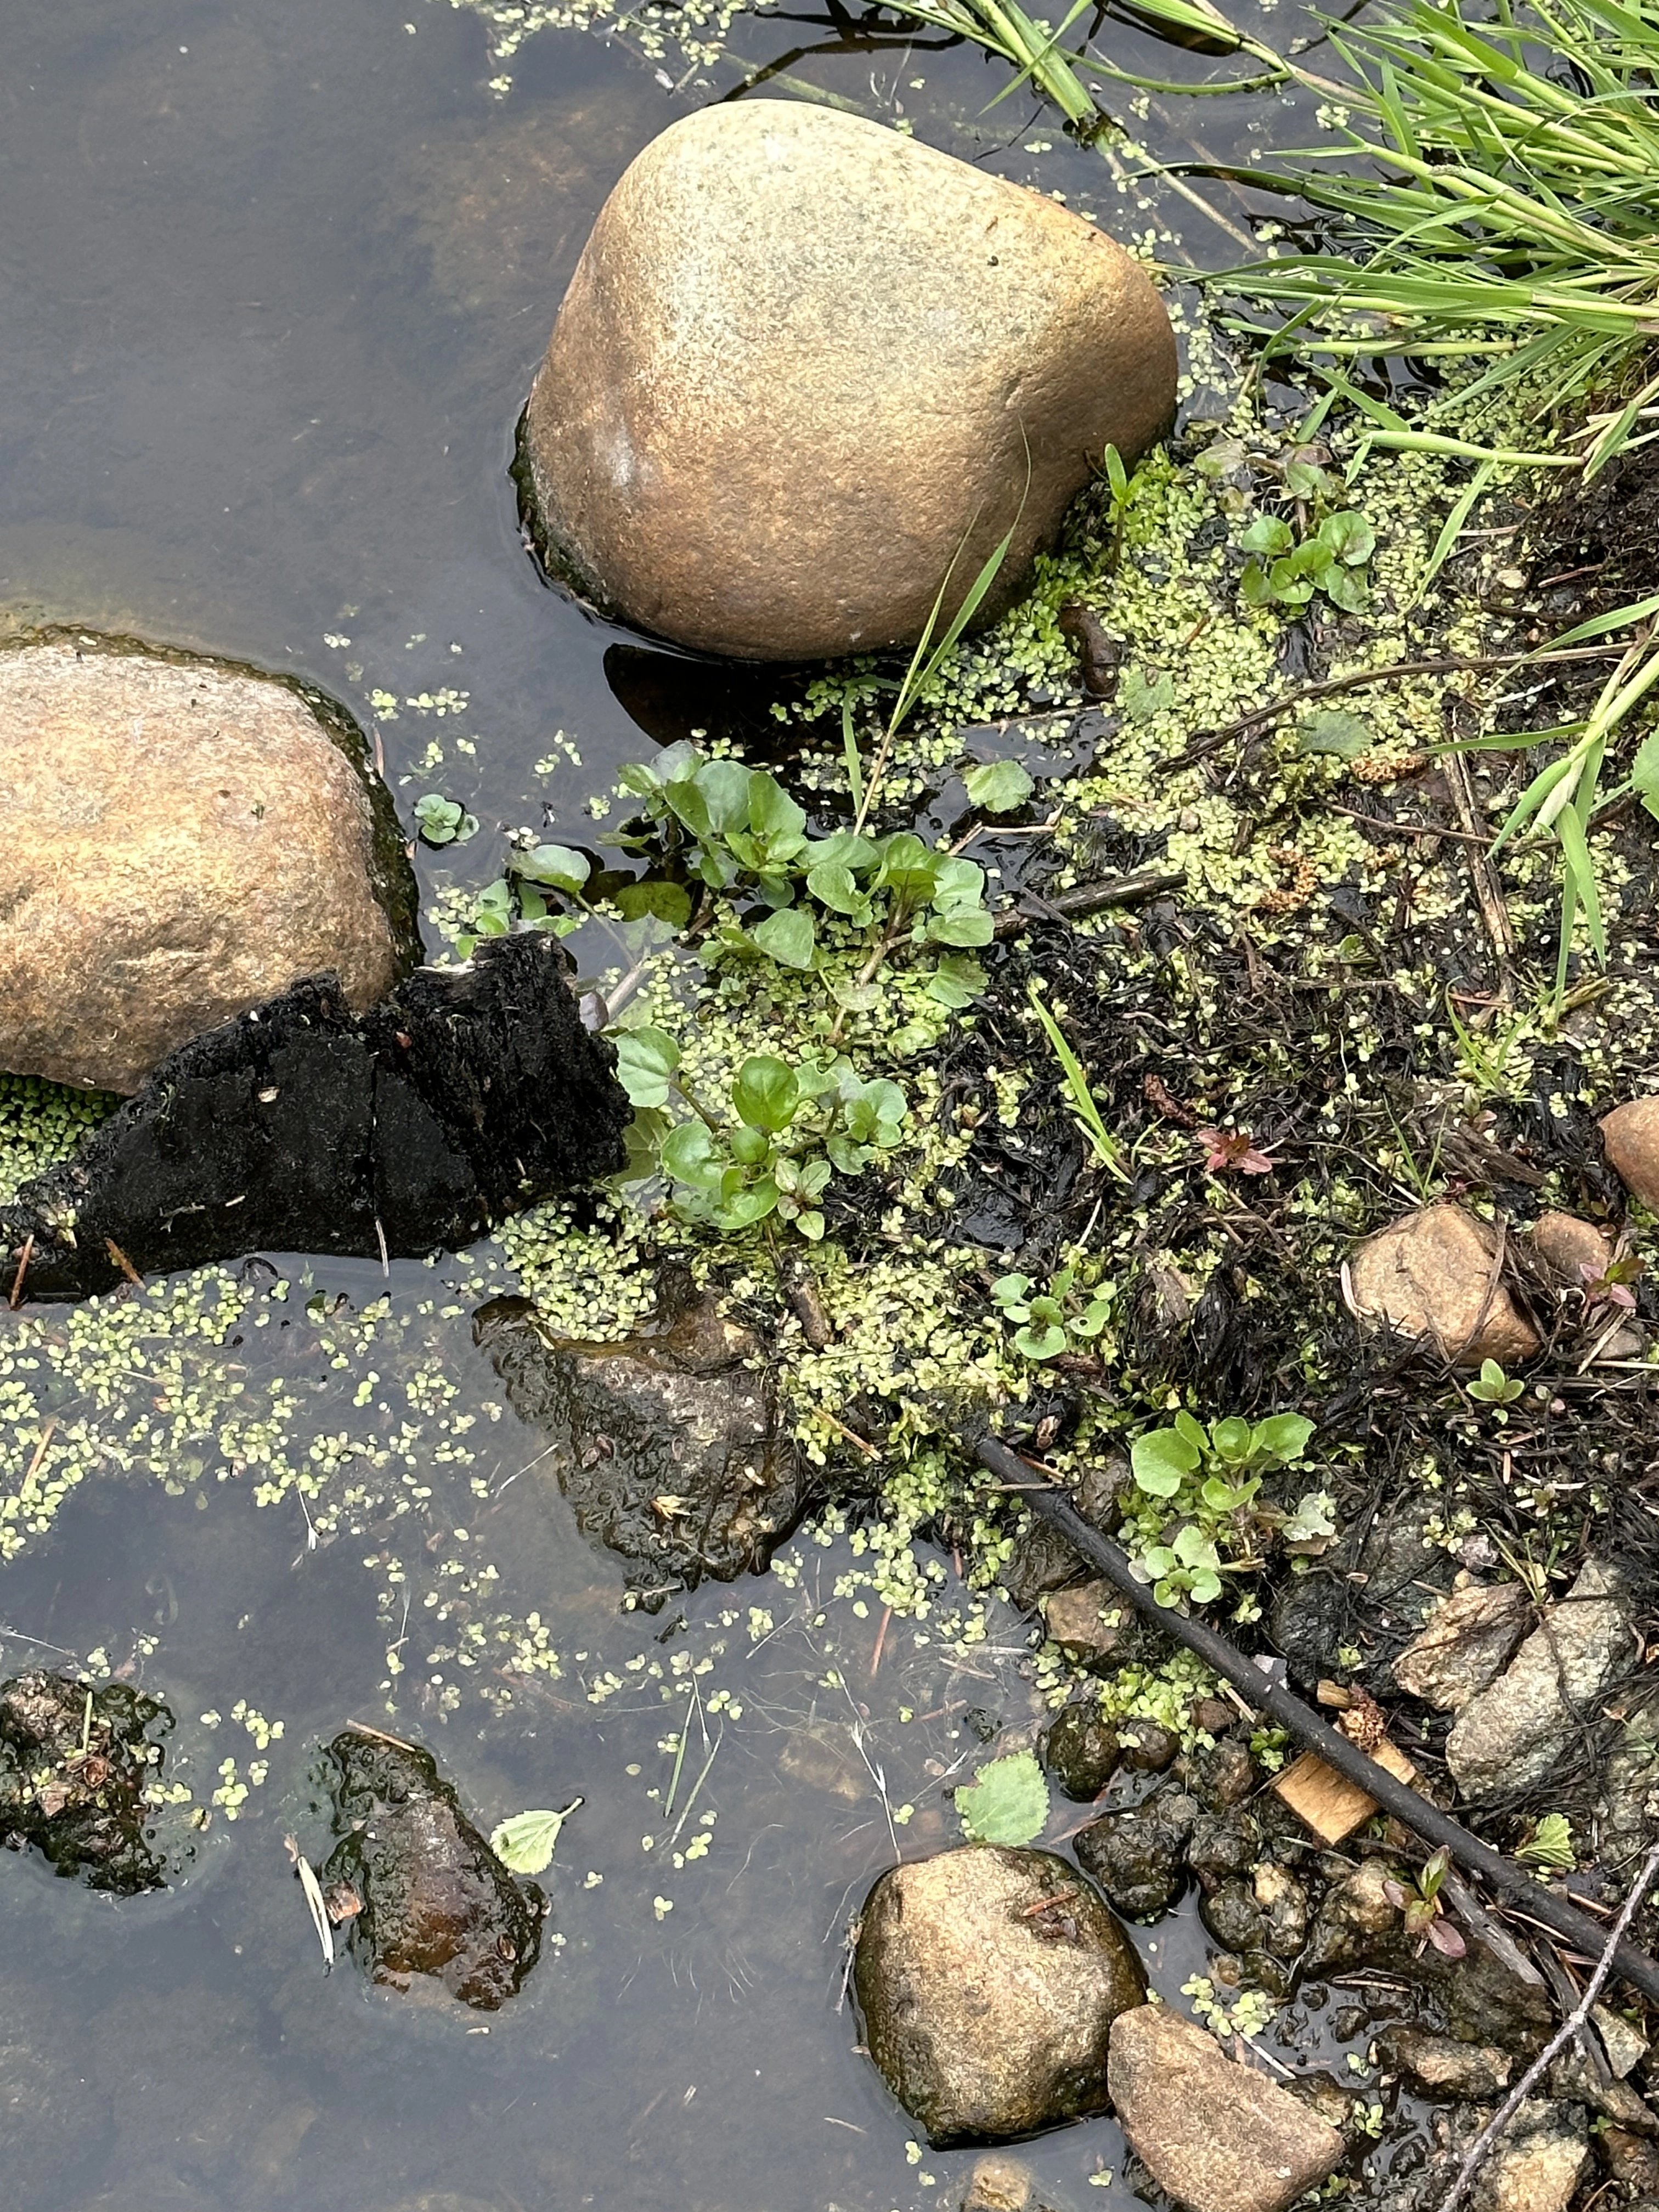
column 737, row 830
column 1065, row 1315
column 1285, row 570
column 518, row 899
column 791, row 1129
column 1195, row 1506
column 441, row 821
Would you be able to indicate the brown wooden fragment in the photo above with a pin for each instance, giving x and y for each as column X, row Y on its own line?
column 1326, row 1801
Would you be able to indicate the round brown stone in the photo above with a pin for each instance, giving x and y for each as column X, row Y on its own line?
column 187, row 838
column 989, row 1978
column 805, row 364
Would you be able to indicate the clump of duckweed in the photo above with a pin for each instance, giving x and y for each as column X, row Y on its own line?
column 41, row 1123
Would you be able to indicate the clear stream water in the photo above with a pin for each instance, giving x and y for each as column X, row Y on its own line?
column 275, row 279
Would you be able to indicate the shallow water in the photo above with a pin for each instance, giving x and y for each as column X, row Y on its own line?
column 275, row 280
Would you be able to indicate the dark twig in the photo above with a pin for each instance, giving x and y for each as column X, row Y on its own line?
column 1563, row 2035
column 1396, row 671
column 1407, row 1805
column 23, row 1259
column 1094, row 898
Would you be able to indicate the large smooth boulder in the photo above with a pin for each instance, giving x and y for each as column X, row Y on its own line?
column 1214, row 2135
column 185, row 838
column 799, row 371
column 989, row 1978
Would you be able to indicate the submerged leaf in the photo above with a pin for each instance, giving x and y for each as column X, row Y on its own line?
column 524, row 1843
column 1007, row 1802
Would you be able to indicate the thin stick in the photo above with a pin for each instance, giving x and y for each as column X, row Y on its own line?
column 1425, row 1820
column 1449, row 665
column 1565, row 2034
column 1094, row 898
column 122, row 1262
column 23, row 1259
column 881, row 1640
column 41, row 1451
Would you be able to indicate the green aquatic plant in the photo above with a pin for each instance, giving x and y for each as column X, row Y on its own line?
column 1493, row 1387
column 1065, row 1315
column 1193, row 1511
column 441, row 821
column 1285, row 570
column 790, row 1129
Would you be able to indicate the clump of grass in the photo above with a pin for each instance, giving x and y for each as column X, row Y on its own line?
column 1516, row 212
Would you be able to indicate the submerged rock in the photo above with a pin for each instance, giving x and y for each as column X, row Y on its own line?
column 671, row 1446
column 187, row 838
column 1630, row 1135
column 724, row 454
column 1139, row 1857
column 1511, row 1735
column 1086, row 1621
column 75, row 1763
column 1215, row 2136
column 989, row 1979
column 1437, row 1276
column 1000, row 2184
column 302, row 1127
column 1469, row 1638
column 435, row 1906
column 1081, row 1750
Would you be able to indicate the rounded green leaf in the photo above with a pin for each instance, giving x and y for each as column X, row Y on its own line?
column 789, row 937
column 1007, row 1802
column 766, row 1093
column 999, row 787
column 1161, row 1461
column 555, row 865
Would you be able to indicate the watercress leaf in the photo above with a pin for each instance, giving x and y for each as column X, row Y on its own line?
column 772, row 814
column 664, row 901
column 1140, row 696
column 1347, row 588
column 957, row 883
column 1161, row 1459
column 1206, row 1586
column 849, row 1158
column 1043, row 1342
column 1281, row 1437
column 524, row 1843
column 1007, row 1288
column 1349, row 536
column 1288, row 585
column 723, row 787
column 909, row 868
column 641, row 780
column 766, row 1093
column 1306, row 480
column 999, row 787
column 749, row 1146
column 555, row 865
column 1269, row 534
column 790, row 937
column 1336, row 731
column 675, row 763
column 957, row 981
column 849, row 848
column 888, row 1106
column 1007, row 1802
column 687, row 1153
column 1254, row 588
column 810, row 1223
column 832, row 884
column 1231, row 1439
column 1219, row 1494
column 741, row 1209
column 1187, row 1425
column 1093, row 1318
column 1194, row 1548
column 963, row 925
column 645, row 1058
column 532, row 906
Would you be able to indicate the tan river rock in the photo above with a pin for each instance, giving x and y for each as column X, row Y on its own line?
column 184, row 839
column 800, row 368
